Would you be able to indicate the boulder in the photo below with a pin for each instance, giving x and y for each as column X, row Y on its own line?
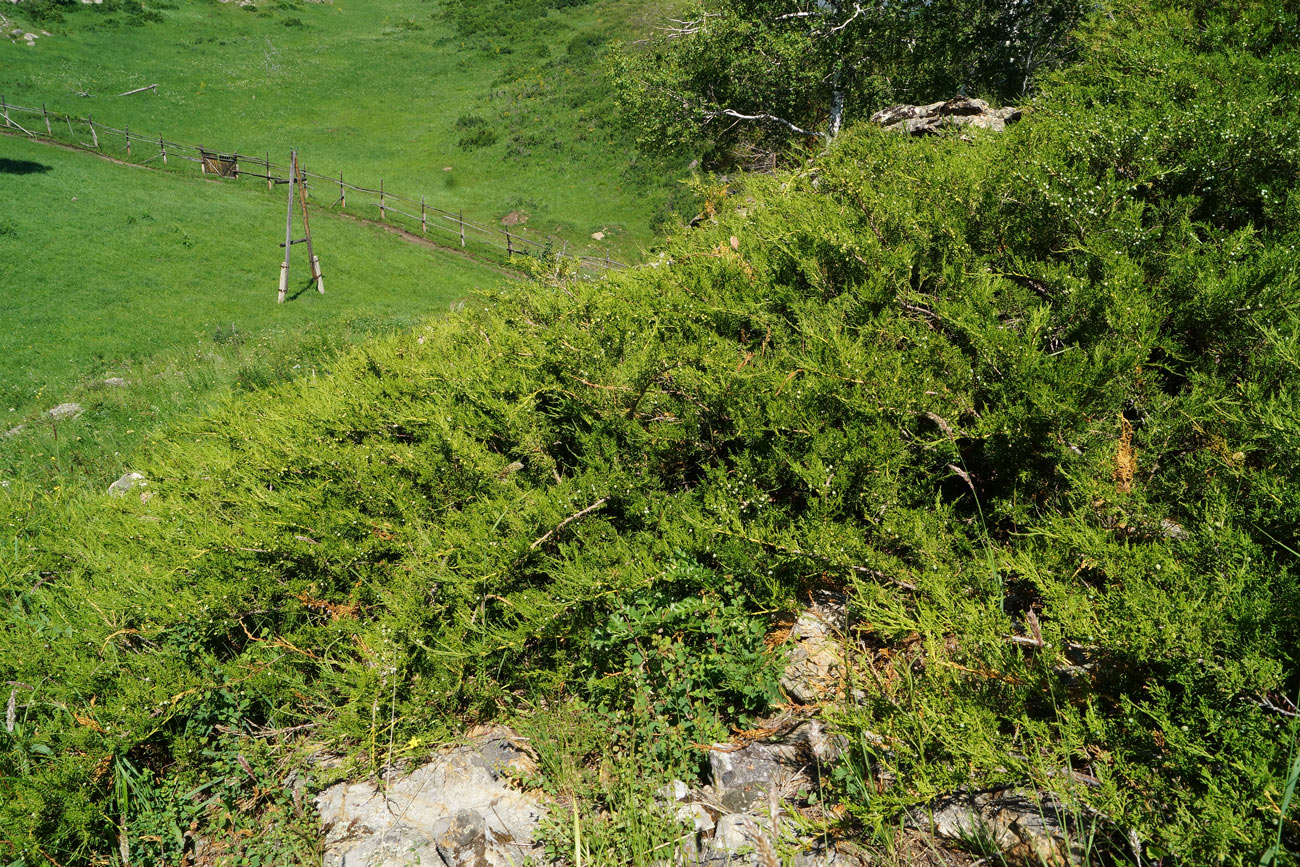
column 116, row 382
column 960, row 111
column 65, row 411
column 457, row 810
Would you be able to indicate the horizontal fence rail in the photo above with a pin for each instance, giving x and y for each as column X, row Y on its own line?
column 410, row 214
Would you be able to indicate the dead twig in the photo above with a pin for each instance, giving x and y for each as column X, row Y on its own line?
column 576, row 516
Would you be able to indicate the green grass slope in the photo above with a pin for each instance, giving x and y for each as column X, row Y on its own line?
column 170, row 283
column 1030, row 398
column 395, row 90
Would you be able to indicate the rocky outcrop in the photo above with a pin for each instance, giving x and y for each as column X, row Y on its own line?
column 1026, row 828
column 756, row 810
column 961, row 111
column 459, row 810
column 815, row 666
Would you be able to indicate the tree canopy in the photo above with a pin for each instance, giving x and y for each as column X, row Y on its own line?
column 739, row 74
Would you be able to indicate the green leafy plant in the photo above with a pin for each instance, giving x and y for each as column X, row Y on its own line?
column 679, row 662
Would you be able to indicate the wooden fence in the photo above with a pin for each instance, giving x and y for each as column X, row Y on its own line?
column 415, row 215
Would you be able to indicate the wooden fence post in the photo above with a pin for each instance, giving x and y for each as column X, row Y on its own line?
column 301, row 175
column 93, row 137
column 4, row 109
column 288, row 227
column 381, row 199
column 162, row 149
column 45, row 114
column 343, row 193
column 462, row 228
column 269, row 184
column 126, row 130
column 424, row 223
column 510, row 250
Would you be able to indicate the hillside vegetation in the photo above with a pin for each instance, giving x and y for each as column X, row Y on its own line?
column 1030, row 398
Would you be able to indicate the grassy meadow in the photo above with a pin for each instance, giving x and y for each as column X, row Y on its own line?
column 508, row 96
column 169, row 282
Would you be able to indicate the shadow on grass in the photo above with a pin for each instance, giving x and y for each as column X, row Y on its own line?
column 22, row 167
column 294, row 296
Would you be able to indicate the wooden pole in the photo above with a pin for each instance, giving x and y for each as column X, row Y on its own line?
column 462, row 228
column 162, row 149
column 424, row 223
column 288, row 229
column 510, row 250
column 45, row 114
column 126, row 130
column 381, row 199
column 306, row 230
column 72, row 135
column 270, row 185
column 343, row 193
column 95, row 138
column 4, row 109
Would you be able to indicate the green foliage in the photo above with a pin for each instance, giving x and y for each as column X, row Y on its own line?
column 1029, row 397
column 675, row 663
column 734, row 75
column 134, row 13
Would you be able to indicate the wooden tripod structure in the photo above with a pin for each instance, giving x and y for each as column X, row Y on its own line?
column 296, row 177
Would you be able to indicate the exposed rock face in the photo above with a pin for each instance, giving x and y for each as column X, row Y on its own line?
column 959, row 111
column 455, row 811
column 66, row 411
column 1027, row 829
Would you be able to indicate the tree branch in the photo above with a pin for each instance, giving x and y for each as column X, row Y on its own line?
column 770, row 118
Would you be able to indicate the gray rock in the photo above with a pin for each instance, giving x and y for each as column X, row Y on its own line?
column 457, row 810
column 750, row 776
column 815, row 666
column 696, row 816
column 116, row 382
column 674, row 791
column 15, row 431
column 1027, row 828
column 737, row 832
column 959, row 111
column 1172, row 530
column 756, row 841
column 66, row 411
column 127, row 483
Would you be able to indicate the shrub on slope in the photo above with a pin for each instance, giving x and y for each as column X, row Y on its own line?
column 1037, row 386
